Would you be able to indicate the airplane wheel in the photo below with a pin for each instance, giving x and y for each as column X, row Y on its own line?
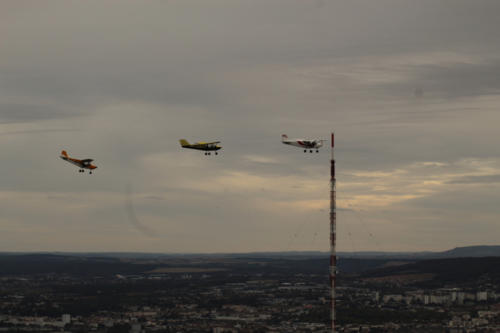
column 317, row 151
column 305, row 151
column 216, row 153
column 205, row 154
column 209, row 154
column 90, row 172
column 310, row 151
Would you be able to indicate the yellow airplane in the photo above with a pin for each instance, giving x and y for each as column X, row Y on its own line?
column 82, row 164
column 205, row 146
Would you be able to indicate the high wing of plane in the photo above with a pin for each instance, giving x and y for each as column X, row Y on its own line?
column 205, row 146
column 82, row 164
column 306, row 144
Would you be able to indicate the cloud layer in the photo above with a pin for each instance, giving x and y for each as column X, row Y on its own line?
column 411, row 90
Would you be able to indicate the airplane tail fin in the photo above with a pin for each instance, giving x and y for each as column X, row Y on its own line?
column 284, row 137
column 184, row 142
column 64, row 153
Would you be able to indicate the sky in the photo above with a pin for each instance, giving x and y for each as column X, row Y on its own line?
column 410, row 88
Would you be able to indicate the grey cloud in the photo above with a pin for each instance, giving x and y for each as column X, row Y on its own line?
column 346, row 210
column 167, row 59
column 483, row 201
column 132, row 216
column 84, row 90
column 460, row 80
column 486, row 179
column 22, row 113
column 154, row 197
column 455, row 80
column 40, row 131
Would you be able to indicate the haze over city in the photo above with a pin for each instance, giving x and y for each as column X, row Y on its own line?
column 412, row 94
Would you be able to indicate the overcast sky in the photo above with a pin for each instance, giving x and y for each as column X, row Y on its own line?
column 411, row 89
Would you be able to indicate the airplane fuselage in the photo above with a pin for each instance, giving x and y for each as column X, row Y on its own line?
column 203, row 147
column 79, row 163
column 207, row 147
column 307, row 144
column 304, row 144
column 82, row 164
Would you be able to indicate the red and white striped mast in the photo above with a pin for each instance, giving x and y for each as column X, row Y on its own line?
column 333, row 226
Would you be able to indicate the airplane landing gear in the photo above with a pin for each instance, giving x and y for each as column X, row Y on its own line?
column 207, row 153
column 317, row 151
column 90, row 172
column 305, row 150
column 310, row 151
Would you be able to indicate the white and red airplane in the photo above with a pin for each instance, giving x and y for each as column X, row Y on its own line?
column 301, row 143
column 82, row 164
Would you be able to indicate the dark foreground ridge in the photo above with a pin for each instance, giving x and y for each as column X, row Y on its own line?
column 258, row 292
column 443, row 271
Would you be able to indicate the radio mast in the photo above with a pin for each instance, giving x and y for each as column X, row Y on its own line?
column 333, row 226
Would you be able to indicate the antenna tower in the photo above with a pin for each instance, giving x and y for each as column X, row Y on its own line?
column 333, row 226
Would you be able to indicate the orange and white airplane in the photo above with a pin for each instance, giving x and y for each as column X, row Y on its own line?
column 82, row 164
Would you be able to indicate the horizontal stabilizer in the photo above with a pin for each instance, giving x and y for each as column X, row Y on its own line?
column 184, row 142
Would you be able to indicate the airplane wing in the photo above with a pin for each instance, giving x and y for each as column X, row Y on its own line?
column 87, row 161
column 212, row 143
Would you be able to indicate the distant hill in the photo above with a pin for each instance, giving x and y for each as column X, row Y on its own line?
column 471, row 251
column 458, row 252
column 32, row 264
column 440, row 272
column 116, row 258
column 462, row 262
column 385, row 255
